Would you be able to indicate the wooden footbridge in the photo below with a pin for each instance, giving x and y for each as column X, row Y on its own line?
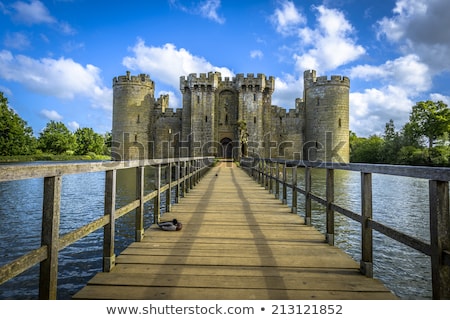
column 236, row 243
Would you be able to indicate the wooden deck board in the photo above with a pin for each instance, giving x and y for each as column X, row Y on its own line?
column 237, row 242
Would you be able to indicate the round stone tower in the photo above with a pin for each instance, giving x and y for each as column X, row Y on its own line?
column 326, row 118
column 133, row 97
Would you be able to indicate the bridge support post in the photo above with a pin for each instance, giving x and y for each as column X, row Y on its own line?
column 308, row 218
column 157, row 200
column 177, row 177
column 109, row 258
column 48, row 273
column 139, row 221
column 366, row 263
column 271, row 178
column 440, row 238
column 294, row 189
column 284, row 200
column 277, row 181
column 169, row 191
column 330, row 200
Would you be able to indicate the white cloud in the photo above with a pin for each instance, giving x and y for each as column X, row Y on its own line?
column 328, row 46
column 207, row 9
column 62, row 78
column 407, row 72
column 440, row 97
column 73, row 125
column 167, row 63
column 420, row 27
column 287, row 89
column 31, row 13
column 371, row 109
column 286, row 18
column 397, row 83
column 256, row 54
column 17, row 40
column 35, row 12
column 51, row 115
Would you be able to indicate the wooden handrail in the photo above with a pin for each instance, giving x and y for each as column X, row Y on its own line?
column 439, row 247
column 52, row 242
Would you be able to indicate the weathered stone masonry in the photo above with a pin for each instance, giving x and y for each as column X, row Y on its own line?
column 231, row 118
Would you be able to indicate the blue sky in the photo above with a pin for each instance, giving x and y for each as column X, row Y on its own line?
column 58, row 57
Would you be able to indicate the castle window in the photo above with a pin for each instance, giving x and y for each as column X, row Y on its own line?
column 206, row 118
column 226, row 119
column 254, row 97
column 339, row 123
column 254, row 119
column 198, row 99
column 135, row 138
column 139, row 118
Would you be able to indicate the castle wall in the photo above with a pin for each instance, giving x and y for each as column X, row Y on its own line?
column 164, row 133
column 231, row 118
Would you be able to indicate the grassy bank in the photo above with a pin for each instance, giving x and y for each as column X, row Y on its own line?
column 53, row 157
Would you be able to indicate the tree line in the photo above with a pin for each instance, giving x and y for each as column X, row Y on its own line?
column 423, row 140
column 17, row 138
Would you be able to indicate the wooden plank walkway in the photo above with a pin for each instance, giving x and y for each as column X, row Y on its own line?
column 237, row 242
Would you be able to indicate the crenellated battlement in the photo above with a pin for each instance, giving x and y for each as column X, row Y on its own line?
column 260, row 81
column 128, row 79
column 214, row 80
column 310, row 79
column 211, row 79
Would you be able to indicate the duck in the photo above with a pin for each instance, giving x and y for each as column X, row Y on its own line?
column 173, row 225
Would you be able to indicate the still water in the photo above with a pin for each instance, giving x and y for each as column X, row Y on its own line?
column 399, row 202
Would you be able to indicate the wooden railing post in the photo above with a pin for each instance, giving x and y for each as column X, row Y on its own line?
column 139, row 235
column 366, row 264
column 440, row 237
column 177, row 177
column 308, row 218
column 187, row 181
column 260, row 171
column 330, row 212
column 266, row 175
column 284, row 198
column 109, row 229
column 169, row 191
column 157, row 200
column 48, row 274
column 277, row 181
column 271, row 178
column 294, row 189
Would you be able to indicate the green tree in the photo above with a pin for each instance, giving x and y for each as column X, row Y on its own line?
column 16, row 137
column 57, row 139
column 430, row 119
column 89, row 142
column 392, row 143
column 367, row 150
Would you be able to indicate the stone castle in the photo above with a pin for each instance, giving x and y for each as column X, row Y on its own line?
column 231, row 118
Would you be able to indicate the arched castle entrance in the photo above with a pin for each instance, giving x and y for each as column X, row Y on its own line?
column 227, row 148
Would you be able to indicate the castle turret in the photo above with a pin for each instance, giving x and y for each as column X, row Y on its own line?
column 132, row 98
column 326, row 104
